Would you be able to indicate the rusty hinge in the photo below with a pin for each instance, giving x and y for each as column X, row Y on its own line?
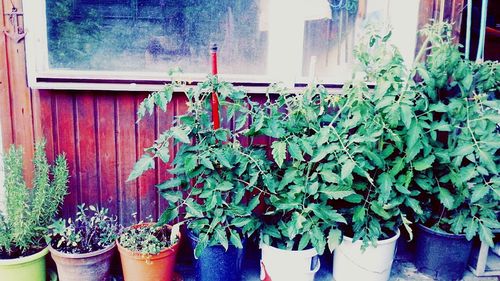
column 18, row 33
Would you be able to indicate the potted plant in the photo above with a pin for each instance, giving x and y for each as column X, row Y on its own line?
column 456, row 169
column 28, row 212
column 213, row 173
column 83, row 248
column 373, row 133
column 148, row 251
column 300, row 218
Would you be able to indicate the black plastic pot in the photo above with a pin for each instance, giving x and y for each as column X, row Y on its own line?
column 441, row 255
column 215, row 263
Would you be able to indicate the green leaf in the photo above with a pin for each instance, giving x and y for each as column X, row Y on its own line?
column 336, row 192
column 295, row 151
column 235, row 239
column 359, row 214
column 240, row 222
column 414, row 205
column 463, row 150
column 479, row 192
column 201, row 245
column 379, row 210
column 329, row 176
column 304, row 241
column 485, row 235
column 173, row 182
column 221, row 134
column 220, row 235
column 323, row 151
column 471, row 229
column 180, row 135
column 240, row 122
column 224, row 186
column 253, row 203
column 223, row 160
column 172, row 196
column 424, row 163
column 406, row 115
column 334, row 238
column 279, row 152
column 313, row 188
column 385, row 184
column 486, row 160
column 207, row 163
column 145, row 163
column 347, row 168
column 413, row 134
column 168, row 215
column 446, row 198
column 164, row 154
column 324, row 135
column 190, row 162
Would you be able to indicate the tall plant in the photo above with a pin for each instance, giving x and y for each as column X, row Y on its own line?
column 301, row 191
column 373, row 134
column 213, row 172
column 457, row 137
column 29, row 211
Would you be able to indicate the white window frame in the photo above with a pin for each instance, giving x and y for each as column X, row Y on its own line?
column 40, row 76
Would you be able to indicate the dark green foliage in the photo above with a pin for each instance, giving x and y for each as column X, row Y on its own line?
column 90, row 231
column 212, row 172
column 302, row 190
column 29, row 211
column 457, row 135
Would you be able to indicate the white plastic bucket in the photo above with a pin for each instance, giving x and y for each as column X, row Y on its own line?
column 373, row 264
column 284, row 265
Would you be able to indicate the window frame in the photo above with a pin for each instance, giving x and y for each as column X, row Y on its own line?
column 40, row 76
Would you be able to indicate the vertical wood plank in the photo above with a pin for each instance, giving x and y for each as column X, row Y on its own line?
column 106, row 143
column 65, row 133
column 20, row 100
column 86, row 148
column 147, row 190
column 126, row 138
column 5, row 109
column 46, row 120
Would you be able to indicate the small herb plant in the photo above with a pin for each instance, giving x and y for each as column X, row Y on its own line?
column 213, row 172
column 90, row 231
column 457, row 139
column 149, row 238
column 301, row 192
column 30, row 211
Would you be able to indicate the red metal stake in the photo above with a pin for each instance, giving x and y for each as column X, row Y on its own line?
column 215, row 100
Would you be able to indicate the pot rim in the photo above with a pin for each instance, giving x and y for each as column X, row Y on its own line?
column 440, row 233
column 306, row 251
column 139, row 256
column 55, row 252
column 379, row 242
column 25, row 259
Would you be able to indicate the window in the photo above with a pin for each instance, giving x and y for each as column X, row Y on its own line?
column 97, row 42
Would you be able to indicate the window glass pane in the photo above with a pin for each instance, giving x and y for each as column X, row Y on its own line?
column 279, row 38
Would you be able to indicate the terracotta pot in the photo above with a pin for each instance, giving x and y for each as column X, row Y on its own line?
column 93, row 266
column 158, row 267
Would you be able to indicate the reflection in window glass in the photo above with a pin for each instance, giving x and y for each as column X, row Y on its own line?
column 281, row 38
